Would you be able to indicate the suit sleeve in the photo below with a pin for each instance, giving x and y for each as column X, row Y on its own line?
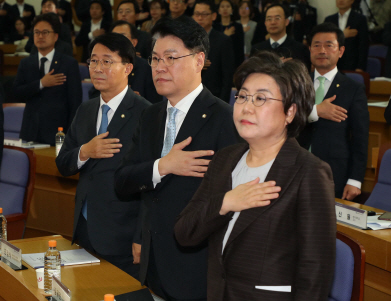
column 363, row 43
column 150, row 90
column 228, row 65
column 316, row 234
column 82, row 38
column 30, row 42
column 75, row 92
column 24, row 89
column 66, row 34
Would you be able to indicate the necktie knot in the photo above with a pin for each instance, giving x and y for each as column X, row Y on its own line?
column 172, row 113
column 275, row 45
column 43, row 60
column 321, row 80
column 319, row 93
column 105, row 109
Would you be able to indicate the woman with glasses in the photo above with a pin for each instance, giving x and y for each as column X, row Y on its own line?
column 266, row 207
column 246, row 12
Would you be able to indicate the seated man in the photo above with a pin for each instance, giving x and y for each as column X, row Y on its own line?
column 49, row 83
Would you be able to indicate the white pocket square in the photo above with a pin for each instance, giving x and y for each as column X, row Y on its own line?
column 286, row 288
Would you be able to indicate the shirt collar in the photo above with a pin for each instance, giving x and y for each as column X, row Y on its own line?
column 329, row 75
column 280, row 41
column 115, row 101
column 49, row 56
column 345, row 15
column 97, row 23
column 185, row 103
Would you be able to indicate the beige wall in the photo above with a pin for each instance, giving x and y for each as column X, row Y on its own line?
column 324, row 8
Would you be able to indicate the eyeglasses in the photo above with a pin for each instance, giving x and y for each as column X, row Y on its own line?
column 258, row 99
column 106, row 64
column 203, row 15
column 167, row 59
column 326, row 46
column 271, row 19
column 44, row 33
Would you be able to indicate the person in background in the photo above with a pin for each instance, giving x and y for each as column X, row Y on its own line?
column 49, row 83
column 143, row 15
column 177, row 8
column 157, row 11
column 304, row 19
column 381, row 10
column 82, row 9
column 230, row 28
column 92, row 28
column 261, row 33
column 65, row 12
column 23, row 10
column 6, row 21
column 266, row 207
column 246, row 13
column 20, row 32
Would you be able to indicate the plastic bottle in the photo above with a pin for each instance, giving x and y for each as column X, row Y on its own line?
column 60, row 136
column 109, row 297
column 52, row 266
column 3, row 221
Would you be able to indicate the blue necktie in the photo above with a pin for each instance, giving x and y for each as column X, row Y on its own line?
column 102, row 129
column 170, row 131
column 275, row 45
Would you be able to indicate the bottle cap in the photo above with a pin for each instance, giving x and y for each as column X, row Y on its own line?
column 52, row 243
column 1, row 210
column 60, row 129
column 109, row 297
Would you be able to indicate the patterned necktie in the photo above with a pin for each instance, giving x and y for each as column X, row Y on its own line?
column 105, row 121
column 319, row 94
column 170, row 131
column 275, row 45
column 42, row 68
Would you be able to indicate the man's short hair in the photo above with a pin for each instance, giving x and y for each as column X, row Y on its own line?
column 292, row 78
column 116, row 43
column 50, row 18
column 210, row 3
column 193, row 35
column 55, row 2
column 98, row 2
column 327, row 28
column 135, row 5
column 284, row 8
column 133, row 29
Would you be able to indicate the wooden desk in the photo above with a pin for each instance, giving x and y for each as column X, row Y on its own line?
column 377, row 246
column 86, row 282
column 53, row 201
column 11, row 64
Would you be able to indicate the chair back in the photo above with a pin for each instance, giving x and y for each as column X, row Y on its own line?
column 84, row 72
column 378, row 51
column 361, row 77
column 348, row 283
column 13, row 117
column 373, row 67
column 380, row 196
column 86, row 87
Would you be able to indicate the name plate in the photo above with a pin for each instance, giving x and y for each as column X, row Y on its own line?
column 352, row 216
column 59, row 291
column 11, row 255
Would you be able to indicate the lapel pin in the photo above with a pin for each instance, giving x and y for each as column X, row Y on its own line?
column 123, row 116
column 337, row 85
column 55, row 62
column 204, row 116
column 132, row 74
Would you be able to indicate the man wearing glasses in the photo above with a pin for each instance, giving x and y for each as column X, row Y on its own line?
column 49, row 83
column 99, row 137
column 170, row 153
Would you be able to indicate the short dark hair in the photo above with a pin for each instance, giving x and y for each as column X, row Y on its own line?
column 292, row 78
column 327, row 28
column 50, row 18
column 135, row 5
column 133, row 29
column 284, row 8
column 193, row 35
column 116, row 43
column 211, row 4
column 98, row 2
column 55, row 2
column 250, row 6
column 22, row 20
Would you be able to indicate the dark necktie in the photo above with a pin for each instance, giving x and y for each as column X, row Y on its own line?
column 42, row 68
column 275, row 45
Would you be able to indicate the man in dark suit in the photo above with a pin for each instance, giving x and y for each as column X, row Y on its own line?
column 128, row 10
column 6, row 20
column 305, row 18
column 82, row 9
column 99, row 137
column 168, row 174
column 217, row 77
column 49, row 82
column 355, row 29
column 23, row 10
column 92, row 28
column 339, row 122
column 276, row 22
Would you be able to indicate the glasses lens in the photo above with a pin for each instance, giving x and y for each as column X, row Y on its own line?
column 241, row 97
column 168, row 60
column 106, row 64
column 259, row 99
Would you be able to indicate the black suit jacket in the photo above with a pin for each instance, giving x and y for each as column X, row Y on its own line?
column 82, row 8
column 218, row 77
column 51, row 107
column 343, row 145
column 144, row 44
column 182, row 271
column 82, row 38
column 290, row 242
column 290, row 48
column 6, row 23
column 356, row 48
column 308, row 21
column 28, row 8
column 111, row 223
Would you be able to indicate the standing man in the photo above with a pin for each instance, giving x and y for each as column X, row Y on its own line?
column 98, row 139
column 355, row 30
column 170, row 153
column 6, row 21
column 177, row 8
column 219, row 75
column 23, row 10
column 339, row 123
column 49, row 83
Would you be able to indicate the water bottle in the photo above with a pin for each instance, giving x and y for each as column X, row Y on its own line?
column 60, row 136
column 3, row 232
column 52, row 266
column 109, row 297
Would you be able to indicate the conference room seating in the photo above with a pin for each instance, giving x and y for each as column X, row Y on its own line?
column 84, row 71
column 17, row 178
column 232, row 97
column 348, row 283
column 378, row 51
column 361, row 77
column 374, row 67
column 13, row 117
column 86, row 87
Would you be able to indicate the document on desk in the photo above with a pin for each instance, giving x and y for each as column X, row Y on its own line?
column 69, row 257
column 376, row 224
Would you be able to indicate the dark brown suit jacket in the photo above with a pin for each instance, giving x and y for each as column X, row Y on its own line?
column 289, row 243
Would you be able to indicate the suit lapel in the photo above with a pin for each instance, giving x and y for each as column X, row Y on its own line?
column 122, row 114
column 283, row 172
column 56, row 62
column 157, row 144
column 335, row 85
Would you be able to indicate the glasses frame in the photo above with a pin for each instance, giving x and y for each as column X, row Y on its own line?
column 252, row 98
column 43, row 33
column 167, row 55
column 100, row 61
column 203, row 15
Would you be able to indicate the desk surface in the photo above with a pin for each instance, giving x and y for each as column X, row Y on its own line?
column 86, row 282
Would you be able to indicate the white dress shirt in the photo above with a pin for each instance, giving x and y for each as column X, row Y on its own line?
column 183, row 107
column 94, row 26
column 49, row 56
column 21, row 9
column 343, row 19
column 113, row 104
column 280, row 41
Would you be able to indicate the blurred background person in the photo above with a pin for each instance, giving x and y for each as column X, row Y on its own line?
column 5, row 20
column 246, row 12
column 144, row 14
column 157, row 11
column 20, row 32
column 304, row 19
column 177, row 8
column 23, row 10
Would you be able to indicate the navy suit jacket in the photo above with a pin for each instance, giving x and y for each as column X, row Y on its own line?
column 6, row 23
column 182, row 271
column 51, row 107
column 111, row 223
column 14, row 10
